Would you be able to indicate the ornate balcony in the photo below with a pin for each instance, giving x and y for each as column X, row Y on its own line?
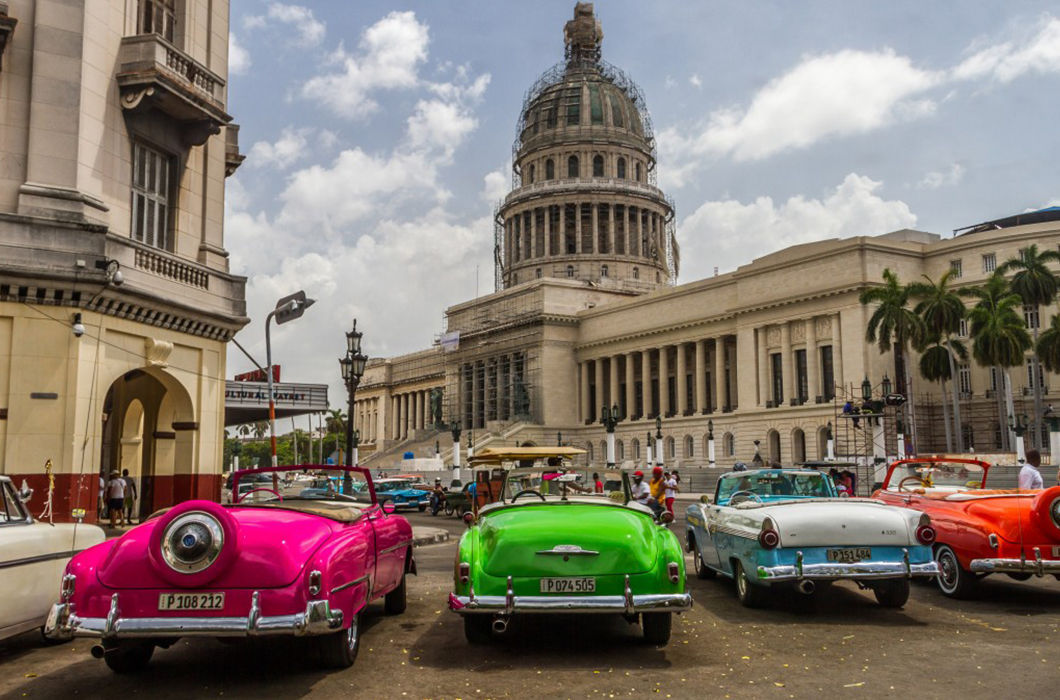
column 154, row 73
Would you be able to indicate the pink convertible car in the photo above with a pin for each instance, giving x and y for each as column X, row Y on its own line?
column 303, row 565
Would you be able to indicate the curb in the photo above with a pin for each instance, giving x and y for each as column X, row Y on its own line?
column 423, row 536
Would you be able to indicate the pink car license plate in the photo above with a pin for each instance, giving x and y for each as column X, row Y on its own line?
column 191, row 601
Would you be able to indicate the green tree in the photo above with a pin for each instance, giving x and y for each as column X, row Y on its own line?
column 893, row 326
column 1048, row 346
column 936, row 365
column 1037, row 286
column 999, row 336
column 336, row 421
column 942, row 311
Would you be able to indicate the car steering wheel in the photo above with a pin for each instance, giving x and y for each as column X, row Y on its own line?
column 242, row 497
column 911, row 479
column 526, row 491
column 747, row 495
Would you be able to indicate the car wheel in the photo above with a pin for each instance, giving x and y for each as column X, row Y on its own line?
column 422, row 507
column 702, row 570
column 750, row 595
column 448, row 509
column 657, row 627
column 127, row 657
column 954, row 580
column 477, row 628
column 339, row 649
column 892, row 593
column 396, row 600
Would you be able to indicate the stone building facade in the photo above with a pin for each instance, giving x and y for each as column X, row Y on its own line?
column 116, row 300
column 586, row 314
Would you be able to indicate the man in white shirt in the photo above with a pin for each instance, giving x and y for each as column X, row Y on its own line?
column 640, row 491
column 115, row 497
column 671, row 491
column 1030, row 477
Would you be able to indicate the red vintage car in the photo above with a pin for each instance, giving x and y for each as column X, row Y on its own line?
column 269, row 564
column 979, row 531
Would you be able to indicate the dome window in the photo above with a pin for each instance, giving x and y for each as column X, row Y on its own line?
column 537, row 273
column 596, row 107
column 637, row 171
column 621, row 168
column 572, row 166
column 550, row 169
column 636, row 273
column 616, row 111
column 531, row 173
column 570, row 270
column 603, row 270
column 598, row 166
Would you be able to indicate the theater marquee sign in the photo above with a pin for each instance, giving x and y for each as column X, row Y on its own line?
column 246, row 402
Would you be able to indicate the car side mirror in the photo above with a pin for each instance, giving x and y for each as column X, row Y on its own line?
column 25, row 493
column 389, row 508
column 706, row 499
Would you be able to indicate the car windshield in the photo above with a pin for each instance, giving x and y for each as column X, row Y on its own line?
column 322, row 487
column 554, row 481
column 956, row 476
column 773, row 486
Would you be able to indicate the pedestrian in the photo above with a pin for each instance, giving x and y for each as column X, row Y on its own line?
column 639, row 491
column 657, row 488
column 676, row 476
column 115, row 497
column 1030, row 477
column 598, row 486
column 101, row 504
column 671, row 492
column 130, row 495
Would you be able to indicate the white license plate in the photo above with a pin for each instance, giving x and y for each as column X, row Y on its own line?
column 191, row 601
column 849, row 556
column 585, row 584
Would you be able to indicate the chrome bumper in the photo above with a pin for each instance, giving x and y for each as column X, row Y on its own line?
column 1038, row 567
column 318, row 618
column 626, row 603
column 857, row 570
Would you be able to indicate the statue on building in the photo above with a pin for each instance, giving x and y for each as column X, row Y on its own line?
column 583, row 35
column 436, row 408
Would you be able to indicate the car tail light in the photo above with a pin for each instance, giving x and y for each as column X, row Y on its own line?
column 66, row 591
column 464, row 572
column 314, row 582
column 674, row 571
column 769, row 538
column 925, row 534
column 469, row 517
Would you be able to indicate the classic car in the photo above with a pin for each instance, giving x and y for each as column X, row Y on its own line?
column 399, row 493
column 293, row 566
column 769, row 527
column 32, row 556
column 564, row 552
column 980, row 530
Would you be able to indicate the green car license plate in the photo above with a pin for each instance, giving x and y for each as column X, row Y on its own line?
column 583, row 584
column 849, row 556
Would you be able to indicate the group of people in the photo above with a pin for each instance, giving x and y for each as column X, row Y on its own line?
column 117, row 496
column 659, row 493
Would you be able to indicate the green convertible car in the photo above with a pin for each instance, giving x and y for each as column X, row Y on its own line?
column 563, row 551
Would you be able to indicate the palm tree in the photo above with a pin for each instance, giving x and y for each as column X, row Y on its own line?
column 936, row 365
column 942, row 311
column 999, row 336
column 336, row 420
column 1037, row 286
column 893, row 325
column 1048, row 346
column 261, row 429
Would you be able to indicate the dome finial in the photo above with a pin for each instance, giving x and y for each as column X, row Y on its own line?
column 583, row 35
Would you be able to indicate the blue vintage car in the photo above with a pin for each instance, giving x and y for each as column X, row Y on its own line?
column 397, row 491
column 771, row 527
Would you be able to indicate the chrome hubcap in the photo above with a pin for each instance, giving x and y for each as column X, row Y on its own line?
column 948, row 570
column 351, row 635
column 741, row 582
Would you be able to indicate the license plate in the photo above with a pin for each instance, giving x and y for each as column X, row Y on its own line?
column 585, row 584
column 191, row 601
column 849, row 556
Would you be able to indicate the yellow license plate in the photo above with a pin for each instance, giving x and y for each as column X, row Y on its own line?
column 191, row 601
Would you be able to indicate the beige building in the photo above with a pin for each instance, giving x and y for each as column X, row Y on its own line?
column 587, row 314
column 116, row 300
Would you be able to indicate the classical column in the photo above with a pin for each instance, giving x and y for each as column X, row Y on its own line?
column 635, row 213
column 765, row 387
column 682, row 380
column 584, row 370
column 787, row 362
column 598, row 399
column 475, row 383
column 530, row 235
column 404, row 420
column 395, row 418
column 664, row 380
column 630, row 393
column 837, row 355
column 561, row 234
column 578, row 247
column 701, row 376
column 719, row 373
column 596, row 225
column 611, row 235
column 813, row 382
column 547, row 250
column 612, row 398
column 645, row 383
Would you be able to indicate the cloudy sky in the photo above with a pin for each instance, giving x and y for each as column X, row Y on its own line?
column 378, row 139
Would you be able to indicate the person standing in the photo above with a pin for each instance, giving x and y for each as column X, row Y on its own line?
column 130, row 495
column 1030, row 477
column 671, row 491
column 598, row 486
column 101, row 504
column 640, row 491
column 115, row 497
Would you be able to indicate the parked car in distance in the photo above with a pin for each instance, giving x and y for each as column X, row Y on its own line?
column 980, row 531
column 771, row 527
column 289, row 566
column 399, row 493
column 33, row 555
column 565, row 551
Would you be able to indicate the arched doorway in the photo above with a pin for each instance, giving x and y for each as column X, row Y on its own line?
column 822, row 443
column 798, row 446
column 773, row 443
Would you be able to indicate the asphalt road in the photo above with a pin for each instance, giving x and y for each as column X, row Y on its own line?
column 1006, row 642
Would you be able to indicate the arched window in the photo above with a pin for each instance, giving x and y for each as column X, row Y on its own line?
column 637, row 171
column 598, row 166
column 773, row 441
column 636, row 449
column 572, row 166
column 620, row 449
column 690, row 447
column 798, row 446
column 603, row 270
column 588, row 449
column 671, row 448
column 730, row 444
column 537, row 273
column 621, row 168
column 603, row 451
column 570, row 270
column 636, row 273
column 550, row 169
column 531, row 174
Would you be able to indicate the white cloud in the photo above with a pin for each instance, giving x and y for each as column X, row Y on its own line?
column 729, row 233
column 238, row 57
column 298, row 20
column 937, row 179
column 496, row 185
column 390, row 53
column 695, row 80
column 1009, row 60
column 290, row 147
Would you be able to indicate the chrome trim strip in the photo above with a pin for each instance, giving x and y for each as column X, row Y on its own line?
column 39, row 558
column 390, row 549
column 836, row 570
column 627, row 603
column 579, row 552
column 350, row 584
column 509, row 598
column 1039, row 567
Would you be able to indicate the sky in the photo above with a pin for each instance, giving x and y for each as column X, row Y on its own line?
column 378, row 139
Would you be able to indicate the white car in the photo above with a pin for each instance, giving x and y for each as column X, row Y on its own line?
column 33, row 556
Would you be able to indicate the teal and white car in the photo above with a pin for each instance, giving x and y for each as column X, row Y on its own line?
column 771, row 527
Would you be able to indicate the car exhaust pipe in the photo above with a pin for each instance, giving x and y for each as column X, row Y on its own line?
column 500, row 625
column 806, row 587
column 98, row 651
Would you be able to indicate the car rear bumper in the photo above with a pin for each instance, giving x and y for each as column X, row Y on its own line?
column 317, row 619
column 875, row 569
column 1036, row 566
column 627, row 603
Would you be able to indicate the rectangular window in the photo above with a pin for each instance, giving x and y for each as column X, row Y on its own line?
column 964, row 379
column 955, row 267
column 596, row 108
column 1030, row 316
column 801, row 380
column 962, row 330
column 1030, row 375
column 158, row 17
column 776, row 361
column 573, row 98
column 994, row 380
column 150, row 196
column 989, row 262
column 827, row 373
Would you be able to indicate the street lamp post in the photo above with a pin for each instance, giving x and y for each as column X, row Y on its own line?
column 1018, row 426
column 710, row 444
column 454, row 428
column 899, row 427
column 829, row 443
column 609, row 418
column 658, row 442
column 287, row 309
column 648, row 450
column 352, row 370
